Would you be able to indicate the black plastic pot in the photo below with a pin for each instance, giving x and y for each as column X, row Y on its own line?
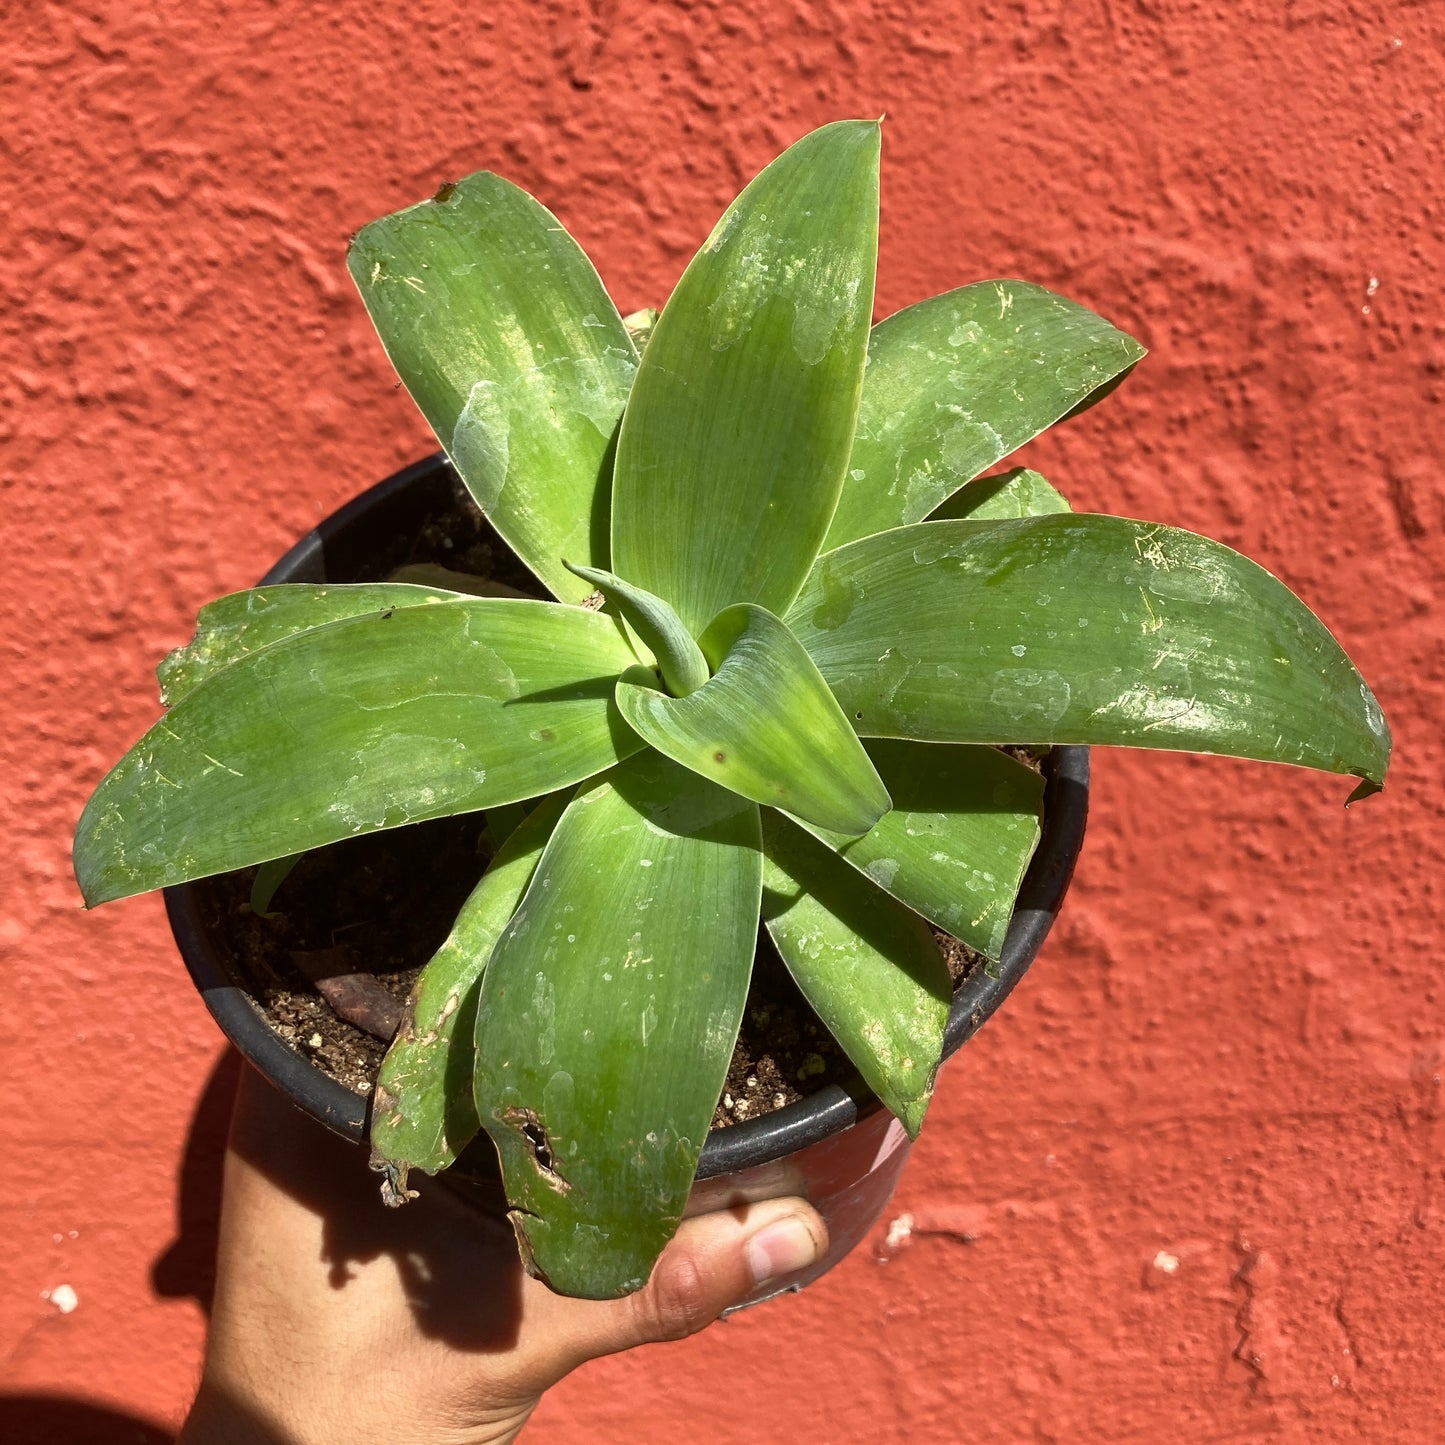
column 839, row 1145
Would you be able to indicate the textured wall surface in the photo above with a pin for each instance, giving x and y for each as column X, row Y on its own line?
column 1189, row 1184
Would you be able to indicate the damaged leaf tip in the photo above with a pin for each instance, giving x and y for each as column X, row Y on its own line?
column 394, row 1191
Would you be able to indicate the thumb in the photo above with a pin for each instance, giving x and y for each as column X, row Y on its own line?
column 714, row 1261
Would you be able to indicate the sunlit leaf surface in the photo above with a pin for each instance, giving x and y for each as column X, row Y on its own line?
column 497, row 323
column 765, row 726
column 423, row 1110
column 735, row 439
column 608, row 1015
column 869, row 967
column 364, row 724
column 964, row 824
column 1016, row 493
column 956, row 383
column 1083, row 629
column 244, row 622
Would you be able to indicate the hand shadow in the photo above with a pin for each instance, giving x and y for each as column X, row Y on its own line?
column 55, row 1420
column 452, row 1247
column 187, row 1269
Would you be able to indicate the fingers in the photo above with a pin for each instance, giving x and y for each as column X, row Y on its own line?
column 429, row 1303
column 714, row 1261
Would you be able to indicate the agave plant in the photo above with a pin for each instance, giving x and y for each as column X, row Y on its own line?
column 793, row 621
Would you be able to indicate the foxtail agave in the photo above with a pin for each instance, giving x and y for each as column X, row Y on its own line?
column 793, row 621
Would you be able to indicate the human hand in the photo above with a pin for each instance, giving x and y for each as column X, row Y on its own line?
column 337, row 1320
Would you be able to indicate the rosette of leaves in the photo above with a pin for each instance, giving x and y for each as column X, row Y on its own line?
column 819, row 617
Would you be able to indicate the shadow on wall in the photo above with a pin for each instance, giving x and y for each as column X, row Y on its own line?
column 186, row 1270
column 473, row 1303
column 54, row 1420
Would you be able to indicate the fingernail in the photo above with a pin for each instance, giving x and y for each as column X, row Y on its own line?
column 781, row 1248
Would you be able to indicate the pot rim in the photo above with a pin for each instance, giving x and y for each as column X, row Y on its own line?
column 332, row 544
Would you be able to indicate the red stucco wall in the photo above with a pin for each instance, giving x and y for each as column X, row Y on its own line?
column 1188, row 1186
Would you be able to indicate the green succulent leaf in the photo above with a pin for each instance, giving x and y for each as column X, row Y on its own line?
column 765, row 726
column 1016, row 493
column 269, row 877
column 231, row 627
column 958, row 382
column 964, row 824
column 607, row 1019
column 364, row 724
column 679, row 658
column 497, row 323
column 869, row 967
column 1083, row 629
column 502, row 822
column 423, row 1110
column 732, row 451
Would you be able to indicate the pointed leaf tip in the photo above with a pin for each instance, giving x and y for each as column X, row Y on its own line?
column 867, row 964
column 500, row 328
column 1366, row 788
column 956, row 383
column 681, row 662
column 737, row 431
column 1083, row 629
column 765, row 726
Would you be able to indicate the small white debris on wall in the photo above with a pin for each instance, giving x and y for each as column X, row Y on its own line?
column 899, row 1231
column 1165, row 1262
column 63, row 1297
